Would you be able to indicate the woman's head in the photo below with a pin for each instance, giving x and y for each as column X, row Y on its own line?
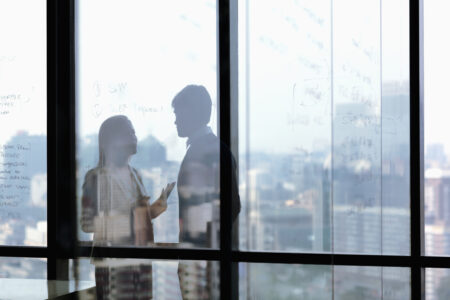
column 116, row 140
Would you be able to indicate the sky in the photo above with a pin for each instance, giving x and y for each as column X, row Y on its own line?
column 436, row 70
column 22, row 68
column 134, row 56
column 305, row 59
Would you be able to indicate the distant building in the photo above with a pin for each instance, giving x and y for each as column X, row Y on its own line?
column 371, row 230
column 435, row 156
column 437, row 196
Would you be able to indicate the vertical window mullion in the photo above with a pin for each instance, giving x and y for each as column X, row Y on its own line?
column 226, row 266
column 61, row 206
column 51, row 138
column 416, row 144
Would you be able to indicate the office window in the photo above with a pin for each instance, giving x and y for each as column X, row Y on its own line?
column 277, row 281
column 257, row 281
column 15, row 272
column 436, row 140
column 23, row 268
column 223, row 149
column 23, row 114
column 134, row 63
column 324, row 126
column 437, row 284
column 371, row 283
column 162, row 279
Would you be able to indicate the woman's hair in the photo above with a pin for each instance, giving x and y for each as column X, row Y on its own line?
column 107, row 133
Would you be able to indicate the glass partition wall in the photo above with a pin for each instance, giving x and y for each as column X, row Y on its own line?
column 221, row 146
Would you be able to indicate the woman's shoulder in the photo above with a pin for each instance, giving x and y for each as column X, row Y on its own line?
column 140, row 183
column 92, row 174
column 136, row 172
column 134, row 169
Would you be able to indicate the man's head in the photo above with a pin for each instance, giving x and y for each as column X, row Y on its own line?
column 192, row 108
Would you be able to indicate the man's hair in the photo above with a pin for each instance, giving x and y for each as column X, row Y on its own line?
column 196, row 99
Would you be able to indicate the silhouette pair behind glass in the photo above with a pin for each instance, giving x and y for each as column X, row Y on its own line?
column 116, row 209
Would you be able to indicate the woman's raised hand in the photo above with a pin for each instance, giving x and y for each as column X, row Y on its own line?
column 160, row 205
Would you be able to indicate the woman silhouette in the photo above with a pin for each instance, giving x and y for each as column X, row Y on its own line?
column 116, row 209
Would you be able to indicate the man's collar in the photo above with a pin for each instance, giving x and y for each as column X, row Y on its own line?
column 197, row 134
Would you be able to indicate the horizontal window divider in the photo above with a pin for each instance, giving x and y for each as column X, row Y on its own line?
column 435, row 262
column 343, row 259
column 270, row 257
column 24, row 251
column 165, row 253
column 326, row 259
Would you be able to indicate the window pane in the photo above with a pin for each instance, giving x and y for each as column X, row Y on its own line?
column 277, row 281
column 23, row 268
column 371, row 283
column 23, row 119
column 437, row 284
column 26, row 278
column 143, row 67
column 436, row 139
column 324, row 126
column 17, row 272
column 161, row 279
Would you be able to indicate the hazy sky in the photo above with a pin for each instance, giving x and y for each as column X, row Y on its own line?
column 437, row 66
column 298, row 50
column 134, row 56
column 22, row 67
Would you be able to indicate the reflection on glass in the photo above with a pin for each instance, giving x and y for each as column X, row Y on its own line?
column 149, row 279
column 324, row 126
column 23, row 141
column 436, row 137
column 26, row 278
column 356, row 144
column 437, row 284
column 23, row 268
column 276, row 281
column 157, row 71
column 352, row 283
column 17, row 272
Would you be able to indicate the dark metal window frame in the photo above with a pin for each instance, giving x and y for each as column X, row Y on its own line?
column 61, row 205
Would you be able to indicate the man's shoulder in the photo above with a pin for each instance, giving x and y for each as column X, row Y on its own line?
column 209, row 143
column 210, row 137
column 206, row 143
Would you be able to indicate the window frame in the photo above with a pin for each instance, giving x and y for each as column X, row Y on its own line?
column 61, row 203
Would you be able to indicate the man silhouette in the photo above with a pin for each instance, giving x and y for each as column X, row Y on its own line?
column 198, row 181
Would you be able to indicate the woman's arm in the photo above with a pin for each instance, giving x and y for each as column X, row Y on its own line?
column 89, row 202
